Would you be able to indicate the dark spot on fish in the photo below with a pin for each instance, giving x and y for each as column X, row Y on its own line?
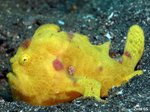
column 130, row 41
column 26, row 43
column 100, row 68
column 139, row 51
column 57, row 64
column 126, row 53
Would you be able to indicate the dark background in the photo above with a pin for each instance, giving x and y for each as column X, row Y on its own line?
column 95, row 18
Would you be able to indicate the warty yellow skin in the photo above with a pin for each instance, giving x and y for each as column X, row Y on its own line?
column 56, row 66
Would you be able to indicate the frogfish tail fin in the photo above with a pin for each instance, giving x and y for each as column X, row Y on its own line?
column 134, row 46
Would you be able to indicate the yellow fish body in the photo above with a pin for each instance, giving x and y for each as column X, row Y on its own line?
column 56, row 66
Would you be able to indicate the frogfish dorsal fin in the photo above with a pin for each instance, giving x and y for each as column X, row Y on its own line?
column 134, row 46
column 46, row 28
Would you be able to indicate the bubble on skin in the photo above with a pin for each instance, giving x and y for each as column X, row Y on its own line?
column 57, row 64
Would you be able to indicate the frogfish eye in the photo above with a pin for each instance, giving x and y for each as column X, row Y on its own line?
column 24, row 59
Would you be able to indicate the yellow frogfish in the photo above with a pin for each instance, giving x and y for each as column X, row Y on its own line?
column 55, row 66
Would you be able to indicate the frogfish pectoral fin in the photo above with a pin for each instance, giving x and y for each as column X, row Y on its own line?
column 91, row 87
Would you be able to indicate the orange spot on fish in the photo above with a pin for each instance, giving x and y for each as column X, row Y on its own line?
column 126, row 53
column 57, row 64
column 26, row 43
